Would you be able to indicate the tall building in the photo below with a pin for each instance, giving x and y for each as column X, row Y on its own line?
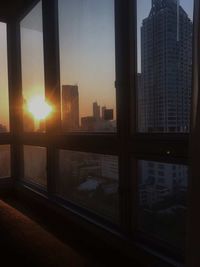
column 166, row 66
column 103, row 111
column 70, row 107
column 88, row 123
column 96, row 111
column 164, row 88
column 108, row 114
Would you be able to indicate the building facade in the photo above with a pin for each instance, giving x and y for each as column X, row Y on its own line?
column 164, row 89
column 96, row 111
column 166, row 68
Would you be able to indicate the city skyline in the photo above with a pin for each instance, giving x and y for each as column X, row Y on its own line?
column 100, row 119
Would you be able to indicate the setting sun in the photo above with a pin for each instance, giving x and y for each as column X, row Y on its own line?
column 39, row 107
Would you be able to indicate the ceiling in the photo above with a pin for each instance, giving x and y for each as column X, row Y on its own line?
column 11, row 10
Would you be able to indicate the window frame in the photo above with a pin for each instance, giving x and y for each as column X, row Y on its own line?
column 129, row 145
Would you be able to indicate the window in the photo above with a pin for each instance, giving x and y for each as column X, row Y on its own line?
column 35, row 165
column 33, row 71
column 87, row 65
column 171, row 59
column 162, row 203
column 89, row 180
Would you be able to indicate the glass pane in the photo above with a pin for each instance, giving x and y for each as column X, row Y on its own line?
column 4, row 161
column 89, row 180
column 33, row 70
column 87, row 65
column 4, row 103
column 162, row 201
column 164, row 65
column 35, row 165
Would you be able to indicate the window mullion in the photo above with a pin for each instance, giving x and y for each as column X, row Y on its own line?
column 15, row 97
column 124, row 70
column 52, row 81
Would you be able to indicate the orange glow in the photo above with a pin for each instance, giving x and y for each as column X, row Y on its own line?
column 39, row 108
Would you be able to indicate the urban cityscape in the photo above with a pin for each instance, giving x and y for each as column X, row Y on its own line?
column 102, row 119
column 164, row 96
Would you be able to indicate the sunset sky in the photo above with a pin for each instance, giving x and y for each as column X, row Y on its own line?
column 87, row 51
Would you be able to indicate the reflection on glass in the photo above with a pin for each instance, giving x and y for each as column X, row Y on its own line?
column 4, row 161
column 89, row 180
column 4, row 104
column 87, row 59
column 162, row 201
column 164, row 65
column 33, row 70
column 35, row 165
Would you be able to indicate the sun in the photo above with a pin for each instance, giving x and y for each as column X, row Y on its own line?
column 39, row 108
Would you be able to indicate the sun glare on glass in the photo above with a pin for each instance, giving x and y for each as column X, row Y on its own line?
column 39, row 107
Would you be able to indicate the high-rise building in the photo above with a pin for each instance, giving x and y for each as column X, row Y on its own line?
column 88, row 123
column 166, row 67
column 108, row 114
column 70, row 107
column 96, row 111
column 103, row 111
column 164, row 88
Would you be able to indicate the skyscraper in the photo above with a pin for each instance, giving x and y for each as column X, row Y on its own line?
column 166, row 67
column 96, row 111
column 70, row 107
column 164, row 88
column 103, row 111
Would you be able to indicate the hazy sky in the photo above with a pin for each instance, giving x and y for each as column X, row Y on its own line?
column 87, row 51
column 32, row 55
